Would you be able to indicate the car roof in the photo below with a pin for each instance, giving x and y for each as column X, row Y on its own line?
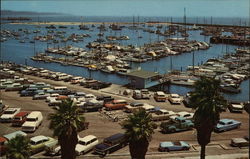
column 14, row 134
column 21, row 114
column 2, row 139
column 38, row 138
column 225, row 120
column 175, row 95
column 87, row 138
column 160, row 93
column 119, row 100
column 115, row 136
column 180, row 118
column 34, row 114
column 11, row 109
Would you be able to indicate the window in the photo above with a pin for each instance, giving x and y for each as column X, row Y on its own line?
column 93, row 140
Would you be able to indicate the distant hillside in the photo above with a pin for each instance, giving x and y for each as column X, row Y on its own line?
column 18, row 13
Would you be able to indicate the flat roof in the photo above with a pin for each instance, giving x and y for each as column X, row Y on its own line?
column 142, row 74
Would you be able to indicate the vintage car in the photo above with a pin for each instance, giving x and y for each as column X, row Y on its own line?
column 160, row 96
column 175, row 125
column 174, row 99
column 162, row 114
column 9, row 114
column 115, row 104
column 132, row 107
column 239, row 142
column 235, row 106
column 38, row 143
column 173, row 146
column 3, row 147
column 86, row 144
column 19, row 118
column 227, row 124
column 40, row 95
column 111, row 144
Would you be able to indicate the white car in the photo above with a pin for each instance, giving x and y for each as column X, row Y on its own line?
column 52, row 97
column 9, row 114
column 89, row 97
column 174, row 99
column 86, row 144
column 185, row 115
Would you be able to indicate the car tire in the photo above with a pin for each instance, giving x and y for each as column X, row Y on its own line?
column 172, row 130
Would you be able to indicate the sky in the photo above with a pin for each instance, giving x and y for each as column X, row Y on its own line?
column 175, row 8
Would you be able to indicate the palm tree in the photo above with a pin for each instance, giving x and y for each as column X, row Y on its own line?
column 208, row 104
column 66, row 123
column 139, row 129
column 18, row 148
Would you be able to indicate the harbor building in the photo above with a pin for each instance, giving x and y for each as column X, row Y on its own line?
column 143, row 79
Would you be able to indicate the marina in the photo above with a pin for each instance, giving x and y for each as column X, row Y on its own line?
column 50, row 44
column 124, row 79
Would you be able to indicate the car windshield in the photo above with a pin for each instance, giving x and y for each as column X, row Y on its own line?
column 9, row 112
column 33, row 143
column 82, row 142
column 31, row 119
column 17, row 118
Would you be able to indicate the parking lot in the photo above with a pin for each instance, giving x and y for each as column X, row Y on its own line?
column 102, row 125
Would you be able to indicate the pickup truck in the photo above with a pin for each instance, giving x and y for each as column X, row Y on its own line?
column 111, row 144
column 175, row 125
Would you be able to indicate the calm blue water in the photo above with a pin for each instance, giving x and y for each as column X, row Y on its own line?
column 12, row 50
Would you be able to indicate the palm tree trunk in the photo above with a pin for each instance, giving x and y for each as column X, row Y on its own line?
column 138, row 149
column 203, row 152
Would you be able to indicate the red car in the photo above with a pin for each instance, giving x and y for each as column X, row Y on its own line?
column 2, row 146
column 20, row 118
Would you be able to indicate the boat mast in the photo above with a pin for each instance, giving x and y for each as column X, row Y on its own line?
column 185, row 31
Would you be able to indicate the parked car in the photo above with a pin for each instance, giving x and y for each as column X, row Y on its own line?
column 145, row 94
column 38, row 143
column 239, row 142
column 111, row 144
column 19, row 118
column 3, row 107
column 235, row 106
column 173, row 146
column 185, row 115
column 86, row 144
column 160, row 96
column 132, row 107
column 105, row 98
column 40, row 95
column 174, row 99
column 3, row 147
column 52, row 96
column 92, row 105
column 29, row 92
column 9, row 114
column 162, row 114
column 186, row 100
column 175, row 125
column 33, row 121
column 14, row 87
column 137, row 94
column 14, row 134
column 116, row 104
column 227, row 124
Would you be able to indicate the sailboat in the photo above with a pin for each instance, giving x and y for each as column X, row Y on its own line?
column 83, row 27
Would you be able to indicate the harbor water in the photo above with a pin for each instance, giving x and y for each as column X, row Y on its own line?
column 20, row 53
